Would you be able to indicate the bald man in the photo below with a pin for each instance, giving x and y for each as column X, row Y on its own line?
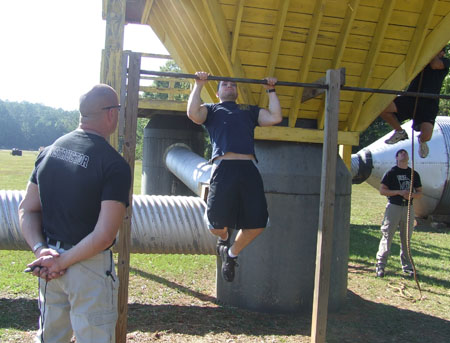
column 75, row 201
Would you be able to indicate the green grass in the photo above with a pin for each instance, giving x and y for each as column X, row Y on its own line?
column 172, row 297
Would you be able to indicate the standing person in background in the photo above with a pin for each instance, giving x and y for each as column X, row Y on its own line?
column 396, row 185
column 236, row 199
column 428, row 81
column 74, row 204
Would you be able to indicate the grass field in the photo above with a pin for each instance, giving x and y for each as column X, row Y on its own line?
column 172, row 297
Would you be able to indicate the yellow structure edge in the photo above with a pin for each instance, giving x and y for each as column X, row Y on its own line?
column 296, row 134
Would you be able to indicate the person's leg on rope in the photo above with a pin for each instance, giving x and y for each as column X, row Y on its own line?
column 390, row 116
column 426, row 132
column 390, row 223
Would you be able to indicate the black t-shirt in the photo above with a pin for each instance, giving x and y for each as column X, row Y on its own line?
column 74, row 175
column 400, row 179
column 231, row 127
column 431, row 83
column 432, row 79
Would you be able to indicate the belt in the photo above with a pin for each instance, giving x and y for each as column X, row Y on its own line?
column 59, row 244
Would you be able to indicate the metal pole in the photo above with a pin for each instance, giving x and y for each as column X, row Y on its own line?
column 296, row 84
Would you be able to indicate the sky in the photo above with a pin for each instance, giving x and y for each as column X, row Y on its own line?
column 51, row 49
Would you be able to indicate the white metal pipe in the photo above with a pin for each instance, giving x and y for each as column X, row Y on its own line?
column 372, row 162
column 160, row 224
column 189, row 167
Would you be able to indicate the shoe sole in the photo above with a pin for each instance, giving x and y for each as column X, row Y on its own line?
column 387, row 141
column 423, row 152
column 223, row 257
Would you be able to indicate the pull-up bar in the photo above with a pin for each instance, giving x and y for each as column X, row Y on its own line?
column 296, row 84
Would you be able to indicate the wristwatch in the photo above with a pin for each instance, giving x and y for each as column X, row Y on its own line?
column 38, row 245
column 270, row 90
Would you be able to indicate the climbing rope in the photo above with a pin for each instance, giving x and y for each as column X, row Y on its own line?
column 411, row 186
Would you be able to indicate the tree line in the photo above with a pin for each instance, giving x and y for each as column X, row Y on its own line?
column 28, row 126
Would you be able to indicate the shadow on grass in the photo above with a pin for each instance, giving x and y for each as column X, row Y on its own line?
column 364, row 244
column 173, row 285
column 359, row 320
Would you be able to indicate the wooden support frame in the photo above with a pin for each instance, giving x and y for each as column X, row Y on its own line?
column 236, row 30
column 317, row 16
column 275, row 48
column 129, row 152
column 375, row 46
column 349, row 18
column 326, row 210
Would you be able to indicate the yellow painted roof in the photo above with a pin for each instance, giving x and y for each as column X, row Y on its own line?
column 381, row 44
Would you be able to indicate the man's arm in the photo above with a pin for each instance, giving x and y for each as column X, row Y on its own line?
column 437, row 63
column 417, row 194
column 384, row 190
column 196, row 111
column 111, row 215
column 273, row 115
column 30, row 217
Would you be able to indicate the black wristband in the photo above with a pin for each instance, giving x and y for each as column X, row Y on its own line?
column 272, row 90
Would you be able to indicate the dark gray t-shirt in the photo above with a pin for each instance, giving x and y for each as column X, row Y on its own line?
column 74, row 175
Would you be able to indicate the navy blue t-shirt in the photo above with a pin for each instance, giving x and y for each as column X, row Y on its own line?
column 74, row 175
column 231, row 127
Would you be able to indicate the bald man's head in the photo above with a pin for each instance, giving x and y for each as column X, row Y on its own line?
column 97, row 99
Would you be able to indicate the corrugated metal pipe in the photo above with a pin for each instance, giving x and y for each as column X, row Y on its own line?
column 160, row 225
column 189, row 167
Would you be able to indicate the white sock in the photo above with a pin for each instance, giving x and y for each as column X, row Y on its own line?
column 225, row 238
column 231, row 254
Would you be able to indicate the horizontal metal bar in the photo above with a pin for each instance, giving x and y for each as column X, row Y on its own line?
column 232, row 79
column 297, row 84
column 394, row 92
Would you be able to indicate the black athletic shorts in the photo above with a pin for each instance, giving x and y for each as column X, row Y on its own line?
column 236, row 196
column 426, row 111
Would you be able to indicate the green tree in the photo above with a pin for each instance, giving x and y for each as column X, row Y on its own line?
column 170, row 66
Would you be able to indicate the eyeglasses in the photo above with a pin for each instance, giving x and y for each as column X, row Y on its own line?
column 109, row 107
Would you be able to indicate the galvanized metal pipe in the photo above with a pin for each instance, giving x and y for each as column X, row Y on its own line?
column 373, row 161
column 189, row 167
column 297, row 84
column 159, row 225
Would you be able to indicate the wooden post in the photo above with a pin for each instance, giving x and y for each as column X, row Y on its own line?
column 114, row 13
column 345, row 151
column 326, row 209
column 129, row 150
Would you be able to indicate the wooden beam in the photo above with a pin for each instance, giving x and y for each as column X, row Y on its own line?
column 275, row 48
column 195, row 32
column 146, row 12
column 326, row 211
column 345, row 151
column 421, row 31
column 181, row 47
column 306, row 59
column 383, row 22
column 168, row 105
column 111, row 65
column 297, row 134
column 129, row 151
column 346, row 28
column 376, row 103
column 221, row 37
column 237, row 27
column 309, row 93
column 160, row 30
